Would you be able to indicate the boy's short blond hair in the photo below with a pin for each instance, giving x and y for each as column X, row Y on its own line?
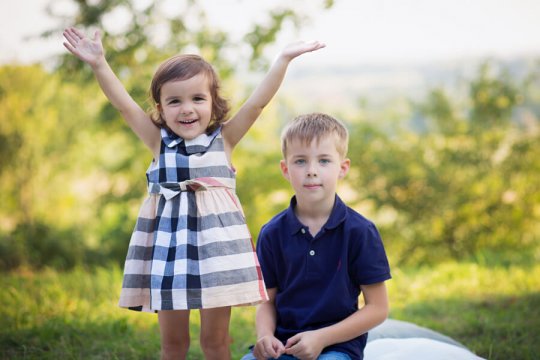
column 315, row 126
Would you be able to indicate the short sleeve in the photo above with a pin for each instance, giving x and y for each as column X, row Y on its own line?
column 368, row 261
column 265, row 253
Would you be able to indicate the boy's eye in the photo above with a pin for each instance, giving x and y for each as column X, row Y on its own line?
column 300, row 162
column 324, row 161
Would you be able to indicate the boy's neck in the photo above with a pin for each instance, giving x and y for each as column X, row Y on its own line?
column 314, row 216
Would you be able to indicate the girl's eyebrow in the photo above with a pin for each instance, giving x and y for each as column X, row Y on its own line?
column 170, row 97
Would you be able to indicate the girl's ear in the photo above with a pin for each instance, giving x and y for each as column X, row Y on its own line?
column 284, row 169
column 159, row 108
column 344, row 168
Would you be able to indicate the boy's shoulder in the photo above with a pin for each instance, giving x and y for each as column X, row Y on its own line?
column 355, row 219
column 277, row 222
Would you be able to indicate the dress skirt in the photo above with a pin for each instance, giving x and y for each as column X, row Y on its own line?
column 204, row 258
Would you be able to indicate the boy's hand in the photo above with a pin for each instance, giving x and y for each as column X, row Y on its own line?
column 86, row 49
column 301, row 47
column 268, row 347
column 305, row 346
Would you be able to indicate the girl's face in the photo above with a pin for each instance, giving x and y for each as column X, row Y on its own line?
column 186, row 106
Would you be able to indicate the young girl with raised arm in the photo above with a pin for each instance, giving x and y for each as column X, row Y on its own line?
column 191, row 248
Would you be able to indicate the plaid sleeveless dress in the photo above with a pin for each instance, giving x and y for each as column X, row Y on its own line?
column 191, row 247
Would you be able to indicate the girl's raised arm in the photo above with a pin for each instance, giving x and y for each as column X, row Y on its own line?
column 91, row 52
column 239, row 124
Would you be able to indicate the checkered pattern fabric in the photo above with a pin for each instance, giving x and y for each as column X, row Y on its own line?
column 191, row 247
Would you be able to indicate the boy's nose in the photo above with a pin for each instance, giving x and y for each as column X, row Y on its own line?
column 311, row 171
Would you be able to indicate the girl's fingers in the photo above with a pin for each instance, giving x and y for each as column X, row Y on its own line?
column 71, row 49
column 69, row 40
column 70, row 37
column 68, row 46
column 317, row 45
column 77, row 33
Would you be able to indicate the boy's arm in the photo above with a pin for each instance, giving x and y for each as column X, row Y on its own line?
column 267, row 345
column 91, row 51
column 309, row 344
column 239, row 124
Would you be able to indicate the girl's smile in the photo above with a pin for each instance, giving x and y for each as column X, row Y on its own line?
column 186, row 106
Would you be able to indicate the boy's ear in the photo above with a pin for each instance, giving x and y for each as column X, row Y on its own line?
column 344, row 168
column 284, row 169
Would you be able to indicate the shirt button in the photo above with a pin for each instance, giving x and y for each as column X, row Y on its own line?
column 303, row 231
column 312, row 252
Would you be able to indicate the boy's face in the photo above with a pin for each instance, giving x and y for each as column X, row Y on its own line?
column 314, row 169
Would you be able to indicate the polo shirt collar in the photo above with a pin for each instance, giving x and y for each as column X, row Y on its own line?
column 337, row 216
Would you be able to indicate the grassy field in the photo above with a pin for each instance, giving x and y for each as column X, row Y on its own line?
column 49, row 315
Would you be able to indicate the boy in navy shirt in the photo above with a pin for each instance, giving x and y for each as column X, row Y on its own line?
column 318, row 256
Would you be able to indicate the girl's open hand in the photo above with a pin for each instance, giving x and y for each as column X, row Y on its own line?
column 86, row 49
column 301, row 47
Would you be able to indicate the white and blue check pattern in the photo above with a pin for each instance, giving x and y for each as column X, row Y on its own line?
column 191, row 247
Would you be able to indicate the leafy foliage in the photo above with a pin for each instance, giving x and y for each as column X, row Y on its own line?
column 461, row 183
column 71, row 171
column 460, row 188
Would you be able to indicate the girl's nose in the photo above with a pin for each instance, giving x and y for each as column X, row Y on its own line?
column 186, row 109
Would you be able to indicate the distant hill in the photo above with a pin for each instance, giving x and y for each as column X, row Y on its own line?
column 332, row 87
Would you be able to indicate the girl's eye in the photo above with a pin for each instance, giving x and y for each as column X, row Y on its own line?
column 198, row 99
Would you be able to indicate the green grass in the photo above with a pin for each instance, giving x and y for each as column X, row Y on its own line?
column 50, row 315
column 491, row 310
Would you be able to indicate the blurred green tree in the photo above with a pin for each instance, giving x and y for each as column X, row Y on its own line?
column 40, row 121
column 462, row 188
column 71, row 171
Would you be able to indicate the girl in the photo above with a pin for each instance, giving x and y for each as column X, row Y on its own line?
column 191, row 248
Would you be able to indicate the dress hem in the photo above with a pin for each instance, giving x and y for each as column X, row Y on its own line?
column 134, row 303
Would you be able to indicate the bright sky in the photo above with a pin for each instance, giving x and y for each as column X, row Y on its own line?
column 356, row 31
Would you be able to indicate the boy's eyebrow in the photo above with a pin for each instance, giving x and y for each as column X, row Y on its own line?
column 318, row 155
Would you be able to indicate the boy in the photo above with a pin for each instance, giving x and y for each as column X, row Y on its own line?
column 318, row 256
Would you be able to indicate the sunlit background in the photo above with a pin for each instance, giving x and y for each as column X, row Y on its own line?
column 442, row 100
column 356, row 31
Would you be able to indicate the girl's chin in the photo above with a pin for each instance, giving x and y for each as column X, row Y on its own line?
column 188, row 132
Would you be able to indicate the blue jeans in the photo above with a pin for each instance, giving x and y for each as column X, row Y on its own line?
column 330, row 355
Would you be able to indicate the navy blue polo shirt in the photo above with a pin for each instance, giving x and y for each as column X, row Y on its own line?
column 318, row 278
